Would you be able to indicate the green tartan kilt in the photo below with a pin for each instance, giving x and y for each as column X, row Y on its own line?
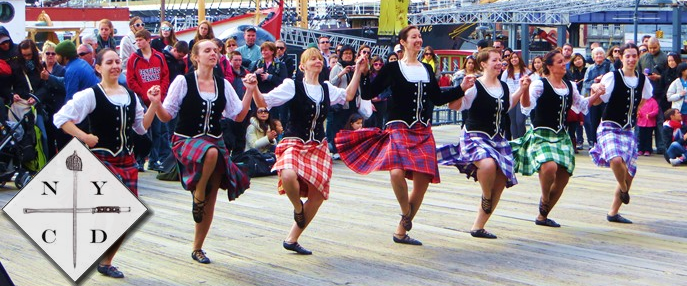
column 541, row 145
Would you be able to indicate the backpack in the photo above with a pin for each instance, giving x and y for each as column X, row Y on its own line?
column 256, row 164
column 169, row 170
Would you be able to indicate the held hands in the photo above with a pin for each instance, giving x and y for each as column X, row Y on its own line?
column 468, row 82
column 154, row 94
column 250, row 81
column 598, row 89
column 525, row 81
column 90, row 140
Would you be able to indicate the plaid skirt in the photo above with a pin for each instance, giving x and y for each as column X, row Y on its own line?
column 190, row 155
column 310, row 160
column 476, row 146
column 123, row 167
column 613, row 141
column 396, row 147
column 541, row 145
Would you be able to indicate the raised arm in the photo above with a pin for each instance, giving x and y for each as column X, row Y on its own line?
column 523, row 92
column 352, row 88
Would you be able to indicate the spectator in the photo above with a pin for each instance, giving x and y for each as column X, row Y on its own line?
column 669, row 76
column 567, row 52
column 536, row 68
column 174, row 57
column 614, row 57
column 324, row 45
column 333, row 59
column 515, row 70
column 26, row 80
column 259, row 136
column 250, row 51
column 576, row 74
column 399, row 50
column 275, row 124
column 229, row 46
column 5, row 69
column 646, row 121
column 355, row 122
column 593, row 75
column 223, row 62
column 340, row 77
column 105, row 36
column 684, row 47
column 468, row 69
column 498, row 45
column 656, row 62
column 167, row 37
column 148, row 68
column 392, row 58
column 128, row 44
column 643, row 49
column 92, row 41
column 86, row 53
column 9, row 53
column 270, row 74
column 645, row 40
column 284, row 58
column 53, row 72
column 481, row 44
column 234, row 133
column 675, row 136
column 589, row 59
column 78, row 74
column 677, row 92
column 378, row 118
column 574, row 121
column 430, row 58
column 204, row 32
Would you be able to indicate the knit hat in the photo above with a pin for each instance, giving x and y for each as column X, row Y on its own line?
column 312, row 45
column 66, row 49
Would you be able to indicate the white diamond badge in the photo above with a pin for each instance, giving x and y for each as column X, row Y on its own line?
column 75, row 209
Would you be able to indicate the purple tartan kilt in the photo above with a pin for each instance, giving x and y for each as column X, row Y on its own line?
column 476, row 146
column 397, row 147
column 123, row 167
column 190, row 155
column 613, row 141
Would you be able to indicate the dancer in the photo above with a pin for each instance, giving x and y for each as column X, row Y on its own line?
column 102, row 104
column 547, row 148
column 304, row 166
column 200, row 99
column 406, row 147
column 483, row 152
column 625, row 91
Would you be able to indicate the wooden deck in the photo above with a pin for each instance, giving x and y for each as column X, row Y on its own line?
column 351, row 236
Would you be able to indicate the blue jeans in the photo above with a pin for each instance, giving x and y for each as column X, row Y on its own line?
column 676, row 150
column 161, row 141
column 660, row 145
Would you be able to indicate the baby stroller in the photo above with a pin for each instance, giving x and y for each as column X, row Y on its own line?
column 20, row 148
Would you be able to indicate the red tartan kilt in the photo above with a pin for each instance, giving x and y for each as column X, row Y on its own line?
column 122, row 167
column 310, row 161
column 397, row 147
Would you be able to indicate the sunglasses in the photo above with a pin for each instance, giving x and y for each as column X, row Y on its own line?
column 377, row 64
column 262, row 110
column 364, row 52
column 50, row 53
column 281, row 48
column 139, row 25
column 324, row 42
column 616, row 51
column 642, row 51
column 233, row 45
column 83, row 54
column 166, row 29
column 429, row 54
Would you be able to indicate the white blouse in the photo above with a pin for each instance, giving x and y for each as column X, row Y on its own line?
column 471, row 93
column 178, row 89
column 83, row 104
column 414, row 73
column 608, row 80
column 287, row 90
column 580, row 104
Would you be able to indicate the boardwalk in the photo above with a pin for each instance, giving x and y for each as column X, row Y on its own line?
column 351, row 236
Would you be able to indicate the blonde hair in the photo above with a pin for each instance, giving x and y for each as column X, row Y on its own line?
column 307, row 54
column 195, row 51
column 48, row 44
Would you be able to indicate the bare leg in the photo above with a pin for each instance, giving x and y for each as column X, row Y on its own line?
column 289, row 181
column 562, row 178
column 615, row 206
column 203, row 227
column 553, row 179
column 620, row 172
column 420, row 184
column 311, row 206
column 492, row 182
column 110, row 253
column 400, row 187
column 209, row 165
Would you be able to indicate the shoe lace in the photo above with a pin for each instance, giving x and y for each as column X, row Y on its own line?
column 200, row 254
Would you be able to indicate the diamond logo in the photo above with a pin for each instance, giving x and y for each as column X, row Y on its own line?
column 74, row 209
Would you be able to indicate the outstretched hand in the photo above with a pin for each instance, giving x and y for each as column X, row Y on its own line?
column 154, row 94
column 468, row 82
column 525, row 81
column 250, row 81
column 362, row 65
column 598, row 89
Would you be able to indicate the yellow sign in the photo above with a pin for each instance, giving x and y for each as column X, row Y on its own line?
column 393, row 16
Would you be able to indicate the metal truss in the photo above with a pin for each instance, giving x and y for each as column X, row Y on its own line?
column 303, row 37
column 534, row 12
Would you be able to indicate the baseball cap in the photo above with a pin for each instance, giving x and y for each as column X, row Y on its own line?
column 4, row 38
column 251, row 28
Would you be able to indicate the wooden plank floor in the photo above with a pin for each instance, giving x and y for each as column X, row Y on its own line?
column 351, row 236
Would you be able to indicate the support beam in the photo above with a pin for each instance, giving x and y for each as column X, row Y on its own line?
column 525, row 43
column 562, row 31
column 677, row 41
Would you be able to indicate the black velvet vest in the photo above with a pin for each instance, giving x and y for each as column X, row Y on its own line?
column 113, row 124
column 552, row 109
column 486, row 113
column 624, row 101
column 307, row 116
column 197, row 116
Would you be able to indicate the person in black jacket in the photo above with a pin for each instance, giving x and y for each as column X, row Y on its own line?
column 675, row 136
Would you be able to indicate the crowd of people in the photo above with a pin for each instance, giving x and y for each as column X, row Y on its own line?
column 167, row 98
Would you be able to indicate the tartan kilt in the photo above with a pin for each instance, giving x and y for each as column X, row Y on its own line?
column 190, row 155
column 476, row 146
column 310, row 160
column 613, row 141
column 396, row 147
column 541, row 145
column 123, row 167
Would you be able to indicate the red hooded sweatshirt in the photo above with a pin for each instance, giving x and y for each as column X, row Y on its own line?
column 142, row 74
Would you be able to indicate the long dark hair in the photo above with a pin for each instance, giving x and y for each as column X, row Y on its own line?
column 548, row 61
column 30, row 44
column 264, row 125
column 353, row 118
column 521, row 66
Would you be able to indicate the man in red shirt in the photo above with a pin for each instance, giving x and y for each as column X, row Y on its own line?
column 146, row 68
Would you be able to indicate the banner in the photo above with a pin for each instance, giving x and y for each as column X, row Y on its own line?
column 393, row 16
